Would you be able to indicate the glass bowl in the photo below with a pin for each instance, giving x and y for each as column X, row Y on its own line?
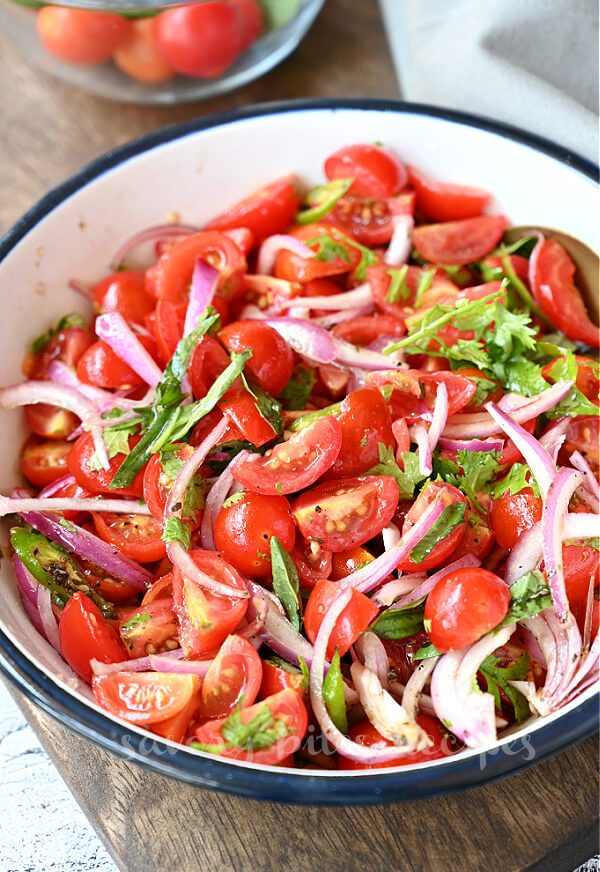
column 18, row 19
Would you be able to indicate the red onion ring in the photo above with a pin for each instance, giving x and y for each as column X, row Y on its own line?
column 160, row 233
column 70, row 504
column 556, row 506
column 579, row 462
column 54, row 486
column 471, row 444
column 359, row 296
column 414, row 687
column 427, row 586
column 215, row 499
column 372, row 654
column 418, row 434
column 138, row 664
column 47, row 618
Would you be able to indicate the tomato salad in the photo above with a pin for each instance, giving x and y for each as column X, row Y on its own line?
column 332, row 460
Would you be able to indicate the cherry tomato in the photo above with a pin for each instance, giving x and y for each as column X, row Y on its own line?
column 44, row 461
column 98, row 480
column 208, row 423
column 80, row 36
column 244, row 527
column 241, row 409
column 556, row 294
column 344, row 563
column 277, row 678
column 84, row 635
column 364, row 733
column 344, row 513
column 463, row 606
column 234, row 674
column 296, row 464
column 311, row 561
column 139, row 56
column 402, row 437
column 364, row 421
column 50, row 422
column 286, row 706
column 334, row 255
column 401, row 653
column 442, row 551
column 74, row 490
column 519, row 264
column 364, row 330
column 354, row 620
column 473, row 373
column 582, row 435
column 157, row 485
column 376, row 171
column 415, row 392
column 168, row 323
column 587, row 380
column 444, row 201
column 112, row 589
column 206, row 619
column 513, row 514
column 150, row 629
column 124, row 292
column 581, row 566
column 251, row 21
column 137, row 536
column 144, row 697
column 66, row 346
column 272, row 361
column 101, row 367
column 456, row 243
column 170, row 278
column 267, row 211
column 370, row 222
column 199, row 40
column 477, row 539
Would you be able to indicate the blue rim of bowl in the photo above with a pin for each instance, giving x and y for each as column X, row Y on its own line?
column 272, row 784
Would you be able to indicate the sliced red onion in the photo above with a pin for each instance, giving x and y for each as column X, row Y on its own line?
column 554, row 511
column 257, row 591
column 457, row 445
column 553, row 439
column 418, row 434
column 345, row 315
column 59, row 372
column 85, row 544
column 579, row 462
column 138, row 664
column 388, row 593
column 372, row 654
column 150, row 234
column 568, row 646
column 177, row 493
column 531, row 645
column 400, row 246
column 180, row 558
column 216, row 497
column 356, row 379
column 362, row 358
column 281, row 637
column 391, row 536
column 440, row 416
column 27, row 587
column 480, row 424
column 587, row 673
column 257, row 611
column 116, row 332
column 425, row 703
column 204, row 284
column 55, row 486
column 414, row 687
column 160, row 663
column 427, row 586
column 71, row 504
column 459, row 703
column 589, row 616
column 267, row 253
column 359, row 296
column 306, row 338
column 542, row 467
column 47, row 618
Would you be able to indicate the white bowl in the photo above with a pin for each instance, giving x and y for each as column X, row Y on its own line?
column 197, row 170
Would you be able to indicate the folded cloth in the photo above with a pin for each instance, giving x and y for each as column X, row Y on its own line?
column 531, row 63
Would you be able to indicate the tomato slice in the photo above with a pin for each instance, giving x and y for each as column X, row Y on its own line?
column 365, row 421
column 157, row 486
column 84, row 634
column 456, row 243
column 235, row 674
column 558, row 297
column 44, row 461
column 344, row 563
column 287, row 707
column 478, row 538
column 444, row 201
column 67, row 346
column 137, row 536
column 375, row 170
column 168, row 327
column 150, row 629
column 334, row 255
column 206, row 619
column 587, row 380
column 97, row 481
column 144, row 697
column 179, row 727
column 581, row 567
column 345, row 513
column 161, row 589
column 446, row 547
column 295, row 464
column 513, row 514
column 272, row 360
column 267, row 211
column 369, row 221
column 364, row 733
column 241, row 409
column 353, row 621
column 582, row 435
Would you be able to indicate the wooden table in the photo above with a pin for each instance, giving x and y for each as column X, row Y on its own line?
column 545, row 819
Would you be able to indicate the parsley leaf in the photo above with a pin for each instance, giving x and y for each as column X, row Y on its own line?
column 497, row 679
column 176, row 530
column 452, row 516
column 516, row 481
column 530, row 595
column 398, row 623
column 407, row 479
column 285, row 581
column 333, row 694
column 299, row 388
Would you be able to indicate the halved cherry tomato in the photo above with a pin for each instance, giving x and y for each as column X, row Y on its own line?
column 334, row 255
column 79, row 464
column 477, row 539
column 364, row 733
column 286, row 706
column 401, row 654
column 44, row 461
column 157, row 485
column 442, row 551
column 144, row 697
column 84, row 634
column 112, row 589
column 161, row 589
column 241, row 409
column 150, row 629
column 311, row 561
column 364, row 421
column 235, row 674
column 206, row 619
column 296, row 464
column 344, row 563
column 510, row 452
column 445, row 201
column 353, row 621
column 474, row 374
column 245, row 241
column 402, row 437
column 170, row 278
column 50, row 422
column 456, row 243
column 513, row 514
column 180, row 726
column 415, row 391
column 364, row 330
column 375, row 170
column 582, row 435
column 556, row 294
column 267, row 211
column 123, row 292
column 463, row 606
column 244, row 527
column 207, row 362
column 137, row 536
column 101, row 367
column 369, row 221
column 344, row 513
column 277, row 678
column 66, row 346
column 581, row 567
column 169, row 321
column 74, row 490
column 251, row 21
column 203, row 428
column 272, row 361
column 587, row 380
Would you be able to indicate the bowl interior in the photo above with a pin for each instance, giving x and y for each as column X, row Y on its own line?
column 197, row 175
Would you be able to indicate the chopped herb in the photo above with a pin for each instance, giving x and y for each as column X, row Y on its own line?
column 593, row 542
column 398, row 289
column 285, row 581
column 398, row 623
column 67, row 525
column 452, row 516
column 233, row 499
column 261, row 731
column 425, row 283
column 279, row 488
column 329, row 249
column 299, row 388
column 116, row 441
column 176, row 530
column 407, row 479
column 530, row 595
column 137, row 619
column 333, row 694
column 519, row 477
column 474, row 471
column 268, row 406
column 497, row 678
column 426, row 652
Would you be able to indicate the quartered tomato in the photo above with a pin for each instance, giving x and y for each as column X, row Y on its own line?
column 137, row 536
column 311, row 561
column 335, row 255
column 244, row 528
column 123, row 292
column 97, row 481
column 375, row 170
column 365, row 422
column 179, row 727
column 512, row 514
column 445, row 201
column 353, row 621
column 296, row 464
column 279, row 676
column 444, row 549
column 370, row 221
column 286, row 708
column 267, row 211
column 206, row 619
column 456, row 243
column 101, row 367
column 161, row 589
column 367, row 328
column 235, row 674
column 144, row 697
column 463, row 606
column 344, row 513
column 582, row 435
column 112, row 589
column 272, row 360
column 150, row 629
column 364, row 733
column 84, row 635
column 240, row 407
column 44, row 461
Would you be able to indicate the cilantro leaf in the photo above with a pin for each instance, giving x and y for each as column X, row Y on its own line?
column 333, row 694
column 116, row 441
column 260, row 732
column 407, row 479
column 426, row 652
column 530, row 595
column 452, row 516
column 478, row 470
column 425, row 283
column 497, row 679
column 398, row 289
column 398, row 623
column 285, row 581
column 516, row 481
column 136, row 620
column 329, row 249
column 299, row 388
column 176, row 530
